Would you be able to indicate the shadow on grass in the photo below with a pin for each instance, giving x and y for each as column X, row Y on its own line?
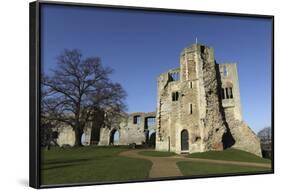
column 89, row 164
column 61, row 166
column 65, row 161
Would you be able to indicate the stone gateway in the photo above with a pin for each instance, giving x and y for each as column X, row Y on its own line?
column 198, row 106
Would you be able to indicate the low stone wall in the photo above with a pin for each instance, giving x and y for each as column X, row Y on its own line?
column 66, row 136
column 126, row 136
column 130, row 131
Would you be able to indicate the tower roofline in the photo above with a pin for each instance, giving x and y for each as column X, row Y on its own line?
column 194, row 47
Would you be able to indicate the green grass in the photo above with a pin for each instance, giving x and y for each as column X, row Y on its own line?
column 230, row 155
column 156, row 153
column 195, row 168
column 90, row 164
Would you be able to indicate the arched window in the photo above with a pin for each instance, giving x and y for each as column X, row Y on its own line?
column 225, row 72
column 114, row 137
column 227, row 92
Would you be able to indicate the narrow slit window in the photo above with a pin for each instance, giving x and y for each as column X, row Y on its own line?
column 190, row 109
column 227, row 94
column 222, row 93
column 190, row 84
column 230, row 93
column 175, row 96
column 137, row 119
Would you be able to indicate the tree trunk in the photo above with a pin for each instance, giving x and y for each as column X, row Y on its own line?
column 98, row 122
column 78, row 136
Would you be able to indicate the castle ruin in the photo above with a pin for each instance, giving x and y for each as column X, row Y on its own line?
column 198, row 110
column 198, row 106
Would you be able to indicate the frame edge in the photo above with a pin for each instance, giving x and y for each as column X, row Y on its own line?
column 33, row 97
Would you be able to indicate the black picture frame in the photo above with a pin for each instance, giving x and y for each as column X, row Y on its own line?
column 34, row 98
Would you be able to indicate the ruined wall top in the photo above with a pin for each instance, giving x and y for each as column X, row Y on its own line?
column 170, row 73
column 143, row 114
column 194, row 47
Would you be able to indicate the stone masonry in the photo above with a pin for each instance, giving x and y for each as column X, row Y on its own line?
column 198, row 106
column 137, row 128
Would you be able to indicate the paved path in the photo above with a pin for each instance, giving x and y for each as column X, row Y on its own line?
column 161, row 166
column 167, row 167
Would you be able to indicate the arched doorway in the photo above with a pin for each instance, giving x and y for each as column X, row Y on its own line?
column 184, row 140
column 83, row 139
column 152, row 139
column 114, row 137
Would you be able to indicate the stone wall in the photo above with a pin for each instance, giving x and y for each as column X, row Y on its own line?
column 215, row 126
column 172, row 113
column 66, row 136
column 129, row 132
column 229, row 78
column 244, row 138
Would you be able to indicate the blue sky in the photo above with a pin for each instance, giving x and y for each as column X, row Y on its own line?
column 141, row 45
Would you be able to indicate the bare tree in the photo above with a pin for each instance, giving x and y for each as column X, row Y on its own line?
column 265, row 135
column 77, row 89
column 265, row 139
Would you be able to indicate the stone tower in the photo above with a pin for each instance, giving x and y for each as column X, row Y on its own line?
column 198, row 106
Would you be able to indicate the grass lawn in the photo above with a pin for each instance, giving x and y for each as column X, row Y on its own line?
column 90, row 164
column 195, row 168
column 231, row 155
column 156, row 153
